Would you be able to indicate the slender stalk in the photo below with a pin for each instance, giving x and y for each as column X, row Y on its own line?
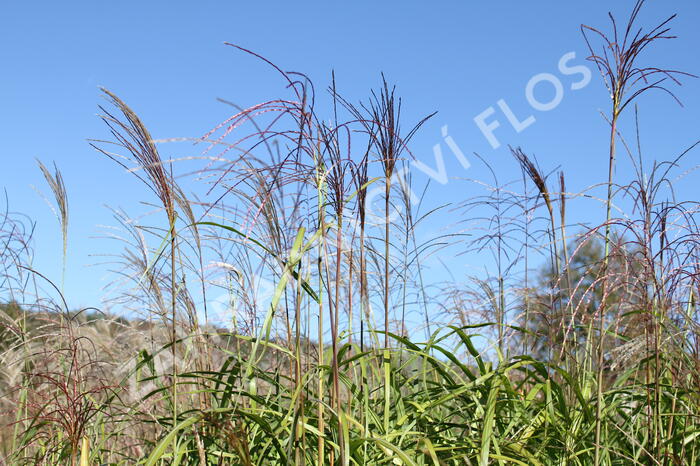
column 334, row 336
column 601, row 311
column 173, row 310
column 386, row 354
column 364, row 308
column 351, row 270
column 387, row 243
column 320, row 413
column 299, row 416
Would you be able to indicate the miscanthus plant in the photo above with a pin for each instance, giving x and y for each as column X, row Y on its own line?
column 276, row 307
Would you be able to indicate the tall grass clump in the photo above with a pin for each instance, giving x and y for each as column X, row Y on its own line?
column 626, row 80
column 278, row 302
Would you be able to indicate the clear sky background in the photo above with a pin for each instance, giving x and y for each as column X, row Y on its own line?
column 168, row 62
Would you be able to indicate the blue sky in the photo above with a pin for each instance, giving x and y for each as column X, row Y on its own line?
column 167, row 60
